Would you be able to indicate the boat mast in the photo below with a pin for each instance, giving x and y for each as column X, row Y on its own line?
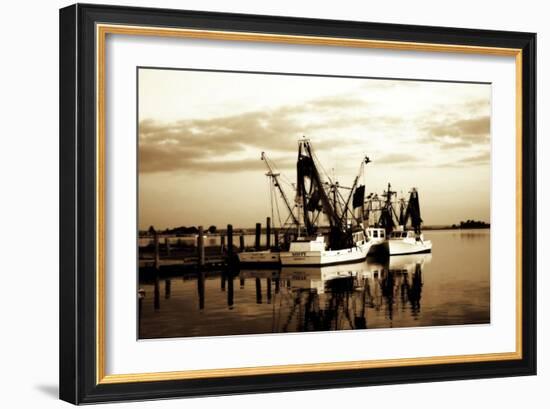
column 313, row 198
column 413, row 211
column 387, row 212
column 275, row 179
column 358, row 194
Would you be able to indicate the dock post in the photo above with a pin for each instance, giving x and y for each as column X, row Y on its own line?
column 200, row 246
column 222, row 243
column 276, row 238
column 167, row 288
column 167, row 246
column 258, row 235
column 241, row 242
column 268, row 233
column 200, row 288
column 157, row 250
column 268, row 290
column 156, row 293
column 229, row 242
column 230, row 290
column 258, row 291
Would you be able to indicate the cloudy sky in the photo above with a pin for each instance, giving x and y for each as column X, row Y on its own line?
column 201, row 135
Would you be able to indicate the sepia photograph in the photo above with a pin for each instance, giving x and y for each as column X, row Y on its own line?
column 283, row 202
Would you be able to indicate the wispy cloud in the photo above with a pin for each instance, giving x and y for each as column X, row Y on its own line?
column 452, row 133
column 224, row 143
column 232, row 143
column 482, row 158
column 396, row 159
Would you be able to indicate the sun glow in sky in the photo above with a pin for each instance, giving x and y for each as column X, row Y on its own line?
column 201, row 135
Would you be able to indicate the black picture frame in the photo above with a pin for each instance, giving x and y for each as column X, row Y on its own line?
column 78, row 318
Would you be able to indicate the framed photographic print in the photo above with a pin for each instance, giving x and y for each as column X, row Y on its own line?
column 258, row 203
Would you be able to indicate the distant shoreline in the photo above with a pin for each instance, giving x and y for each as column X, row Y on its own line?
column 455, row 228
column 252, row 230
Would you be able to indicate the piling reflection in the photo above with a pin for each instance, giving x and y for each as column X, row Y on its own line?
column 290, row 299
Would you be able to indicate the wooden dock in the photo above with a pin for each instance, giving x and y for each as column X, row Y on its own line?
column 164, row 254
column 185, row 262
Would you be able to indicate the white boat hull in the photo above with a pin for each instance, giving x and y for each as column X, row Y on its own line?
column 325, row 257
column 408, row 246
column 259, row 257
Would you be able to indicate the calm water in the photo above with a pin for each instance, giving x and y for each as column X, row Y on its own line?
column 451, row 286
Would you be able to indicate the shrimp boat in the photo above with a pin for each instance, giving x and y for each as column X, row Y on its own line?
column 409, row 241
column 318, row 253
column 397, row 239
column 344, row 239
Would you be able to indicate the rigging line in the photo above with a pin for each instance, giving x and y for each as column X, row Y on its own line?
column 277, row 170
column 271, row 196
column 278, row 212
column 320, row 164
column 316, row 218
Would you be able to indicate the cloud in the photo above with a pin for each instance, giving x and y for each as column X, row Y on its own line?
column 231, row 143
column 479, row 159
column 470, row 129
column 396, row 159
column 218, row 144
column 470, row 160
column 457, row 133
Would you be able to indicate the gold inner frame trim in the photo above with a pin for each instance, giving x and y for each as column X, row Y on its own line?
column 101, row 33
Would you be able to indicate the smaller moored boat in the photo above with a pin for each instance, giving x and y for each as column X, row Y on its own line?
column 259, row 257
column 407, row 242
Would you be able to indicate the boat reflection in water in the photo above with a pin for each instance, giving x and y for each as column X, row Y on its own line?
column 338, row 297
column 369, row 294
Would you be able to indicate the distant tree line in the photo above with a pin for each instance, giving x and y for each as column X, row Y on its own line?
column 471, row 224
column 183, row 230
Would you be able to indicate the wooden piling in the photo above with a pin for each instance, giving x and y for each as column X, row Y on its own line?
column 167, row 288
column 258, row 235
column 200, row 247
column 141, row 296
column 258, row 291
column 268, row 233
column 241, row 242
column 157, row 251
column 222, row 243
column 230, row 291
column 229, row 241
column 156, row 293
column 167, row 246
column 200, row 288
column 268, row 290
column 276, row 238
column 222, row 281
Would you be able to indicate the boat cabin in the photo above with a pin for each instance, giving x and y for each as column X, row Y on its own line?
column 408, row 234
column 305, row 244
column 376, row 233
column 359, row 238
